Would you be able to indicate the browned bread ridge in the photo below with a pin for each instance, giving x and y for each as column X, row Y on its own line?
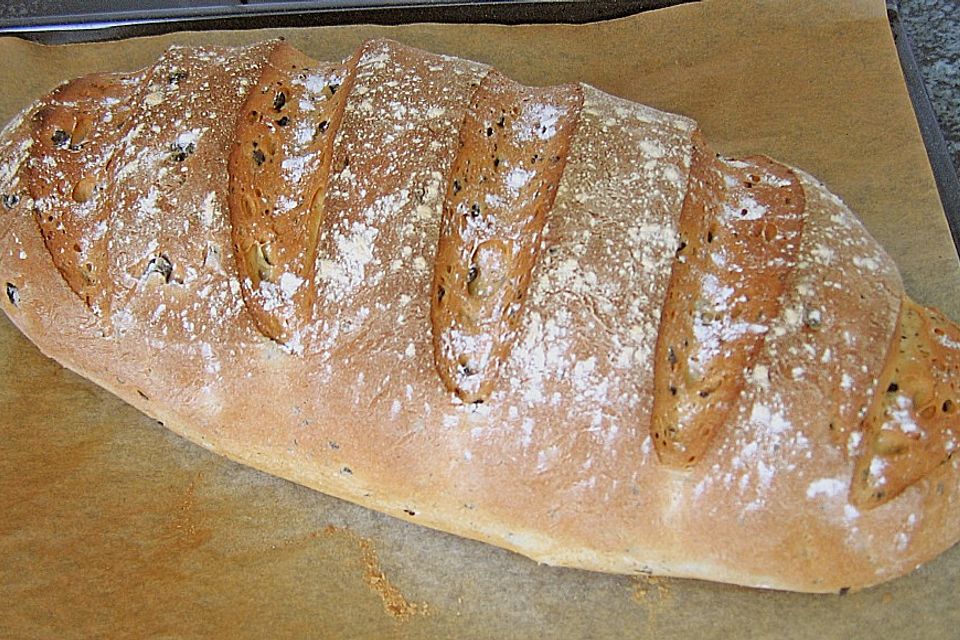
column 251, row 246
column 912, row 427
column 740, row 230
column 513, row 147
column 278, row 169
column 74, row 218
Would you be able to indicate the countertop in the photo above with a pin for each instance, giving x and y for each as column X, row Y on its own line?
column 933, row 27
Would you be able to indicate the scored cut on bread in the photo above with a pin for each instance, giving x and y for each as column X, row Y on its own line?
column 75, row 217
column 278, row 176
column 268, row 237
column 912, row 427
column 513, row 146
column 740, row 230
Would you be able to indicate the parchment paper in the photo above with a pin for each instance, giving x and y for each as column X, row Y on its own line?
column 113, row 527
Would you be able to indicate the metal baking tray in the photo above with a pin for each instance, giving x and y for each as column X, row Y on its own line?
column 65, row 21
column 60, row 21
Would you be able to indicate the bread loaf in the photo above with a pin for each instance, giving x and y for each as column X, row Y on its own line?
column 544, row 318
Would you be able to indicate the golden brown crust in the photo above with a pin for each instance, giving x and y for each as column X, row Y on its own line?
column 513, row 148
column 740, row 230
column 558, row 464
column 279, row 168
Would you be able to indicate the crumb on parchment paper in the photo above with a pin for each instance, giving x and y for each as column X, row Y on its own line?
column 394, row 602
